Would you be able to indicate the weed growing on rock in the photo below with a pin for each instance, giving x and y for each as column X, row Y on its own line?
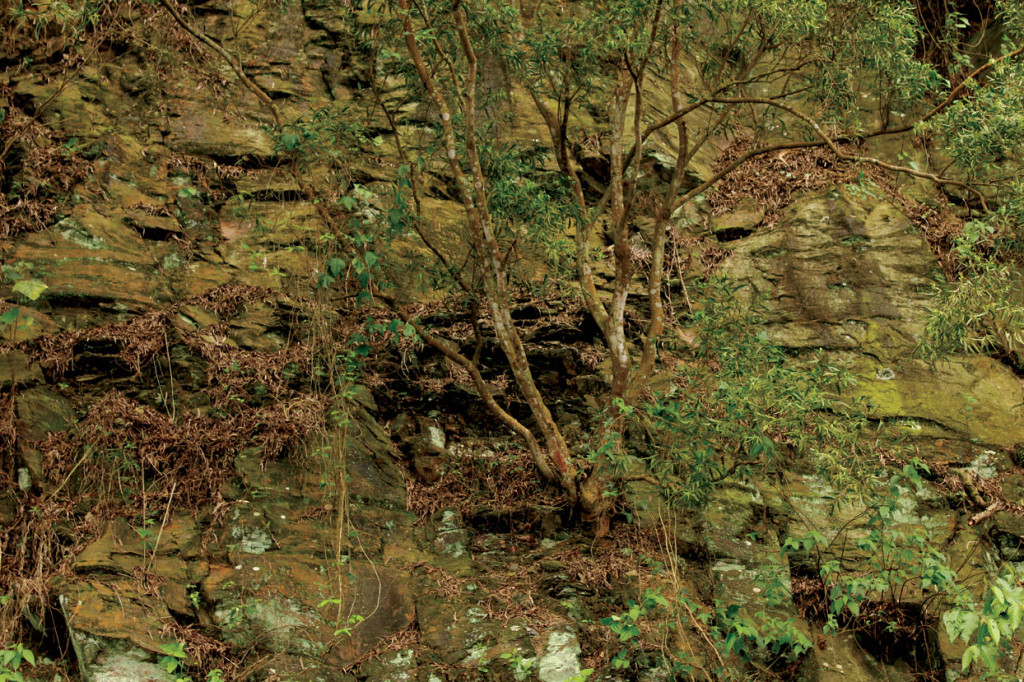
column 11, row 660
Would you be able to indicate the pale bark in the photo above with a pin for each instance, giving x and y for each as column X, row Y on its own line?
column 655, row 278
column 615, row 335
column 473, row 194
column 584, row 226
column 451, row 351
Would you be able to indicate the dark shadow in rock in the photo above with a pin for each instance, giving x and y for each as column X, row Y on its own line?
column 905, row 632
column 731, row 234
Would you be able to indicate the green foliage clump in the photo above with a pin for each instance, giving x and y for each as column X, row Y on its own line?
column 742, row 406
column 989, row 629
column 11, row 660
column 983, row 313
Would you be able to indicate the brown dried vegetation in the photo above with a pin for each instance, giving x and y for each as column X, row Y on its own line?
column 126, row 456
column 37, row 174
column 141, row 338
column 772, row 180
column 505, row 483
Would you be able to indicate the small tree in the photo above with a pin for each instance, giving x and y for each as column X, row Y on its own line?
column 786, row 73
column 630, row 77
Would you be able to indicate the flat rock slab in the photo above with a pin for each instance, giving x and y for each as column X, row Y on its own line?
column 95, row 257
column 111, row 608
column 856, row 277
column 195, row 128
column 836, row 272
column 973, row 397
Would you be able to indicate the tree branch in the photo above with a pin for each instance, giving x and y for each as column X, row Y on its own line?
column 828, row 141
column 229, row 58
column 450, row 351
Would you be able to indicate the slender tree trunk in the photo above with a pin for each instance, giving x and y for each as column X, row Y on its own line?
column 655, row 279
column 473, row 193
column 615, row 334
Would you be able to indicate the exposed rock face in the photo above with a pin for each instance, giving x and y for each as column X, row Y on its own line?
column 281, row 588
column 190, row 192
column 855, row 277
column 842, row 273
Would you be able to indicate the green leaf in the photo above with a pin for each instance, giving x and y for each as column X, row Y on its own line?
column 969, row 655
column 177, row 650
column 11, row 316
column 1015, row 612
column 993, row 629
column 988, row 657
column 396, row 217
column 968, row 622
column 28, row 656
column 31, row 289
column 336, row 266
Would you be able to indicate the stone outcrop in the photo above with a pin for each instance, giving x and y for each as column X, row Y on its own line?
column 189, row 190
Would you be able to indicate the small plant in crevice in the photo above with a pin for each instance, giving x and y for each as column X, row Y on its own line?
column 11, row 659
column 885, row 583
column 28, row 289
column 347, row 625
column 626, row 626
column 761, row 630
column 522, row 667
column 173, row 660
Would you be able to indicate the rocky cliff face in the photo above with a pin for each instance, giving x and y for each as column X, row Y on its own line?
column 178, row 489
